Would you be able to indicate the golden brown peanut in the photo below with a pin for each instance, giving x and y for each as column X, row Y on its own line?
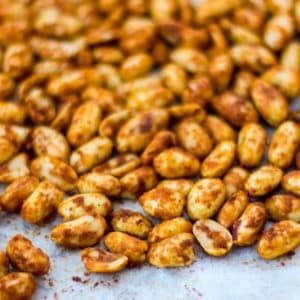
column 218, row 39
column 252, row 140
column 297, row 14
column 215, row 239
column 246, row 229
column 220, row 159
column 84, row 124
column 18, row 135
column 4, row 266
column 255, row 57
column 163, row 203
column 193, row 138
column 284, row 144
column 100, row 261
column 189, row 110
column 15, row 194
column 219, row 129
column 176, row 163
column 41, row 203
column 232, row 208
column 205, row 198
column 131, row 222
column 190, row 59
column 90, row 154
column 138, row 181
column 243, row 82
column 161, row 141
column 109, row 55
column 283, row 207
column 162, row 10
column 286, row 80
column 12, row 113
column 17, row 286
column 269, row 102
column 235, row 109
column 17, row 60
column 82, row 232
column 291, row 182
column 14, row 168
column 74, row 207
column 179, row 185
column 290, row 57
column 55, row 171
column 174, row 78
column 48, row 141
column 175, row 251
column 234, row 180
column 297, row 159
column 278, row 240
column 138, row 131
column 278, row 6
column 7, row 85
column 122, row 243
column 263, row 181
column 7, row 150
column 169, row 228
column 108, row 74
column 51, row 67
column 278, row 31
column 25, row 257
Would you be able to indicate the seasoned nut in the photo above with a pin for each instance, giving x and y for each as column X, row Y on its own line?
column 48, row 141
column 290, row 57
column 235, row 109
column 109, row 55
column 291, row 182
column 12, row 113
column 217, row 163
column 232, row 208
column 175, row 251
column 82, row 232
column 234, row 180
column 283, row 207
column 169, row 228
column 270, row 103
column 7, row 85
column 131, row 222
column 25, row 257
column 18, row 135
column 243, row 82
column 219, row 129
column 55, row 171
column 14, row 168
column 17, row 285
column 162, row 140
column 205, row 198
column 251, row 144
column 162, row 10
column 122, row 243
column 163, row 203
column 278, row 6
column 284, row 144
column 176, row 163
column 99, row 183
column 90, row 154
column 84, row 124
column 174, row 78
column 3, row 265
column 179, row 185
column 100, row 261
column 138, row 131
column 119, row 165
column 194, row 138
column 138, row 181
column 7, row 150
column 246, row 228
column 189, row 110
column 74, row 207
column 15, row 194
column 278, row 240
column 41, row 203
column 215, row 239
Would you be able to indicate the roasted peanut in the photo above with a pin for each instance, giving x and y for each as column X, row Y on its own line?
column 246, row 228
column 174, row 78
column 74, row 207
column 122, row 243
column 7, row 150
column 100, row 261
column 163, row 203
column 82, row 232
column 7, row 85
column 175, row 251
column 243, row 82
column 12, row 113
column 189, row 110
column 217, row 163
column 18, row 135
column 291, row 182
column 3, row 265
column 99, row 183
column 284, row 144
column 251, row 144
column 278, row 240
column 205, row 198
column 290, row 57
column 162, row 10
column 131, row 222
column 25, row 257
column 109, row 55
column 215, row 239
column 179, row 185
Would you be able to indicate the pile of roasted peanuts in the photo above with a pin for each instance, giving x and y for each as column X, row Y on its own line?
column 155, row 101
